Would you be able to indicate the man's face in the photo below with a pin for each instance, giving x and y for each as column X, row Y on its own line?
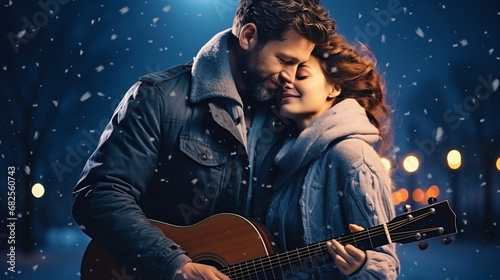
column 265, row 68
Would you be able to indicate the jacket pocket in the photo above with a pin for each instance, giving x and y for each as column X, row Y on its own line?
column 199, row 176
column 202, row 152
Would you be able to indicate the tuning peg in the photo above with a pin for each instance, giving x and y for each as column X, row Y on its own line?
column 431, row 200
column 407, row 208
column 423, row 245
column 446, row 240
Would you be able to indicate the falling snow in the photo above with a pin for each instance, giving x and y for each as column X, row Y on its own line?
column 85, row 96
column 494, row 84
column 124, row 10
column 99, row 68
column 419, row 32
column 439, row 134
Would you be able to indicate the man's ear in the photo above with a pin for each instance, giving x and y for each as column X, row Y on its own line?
column 248, row 36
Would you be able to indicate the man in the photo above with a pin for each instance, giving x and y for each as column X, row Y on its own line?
column 195, row 140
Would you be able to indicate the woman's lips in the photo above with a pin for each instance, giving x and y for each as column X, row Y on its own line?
column 287, row 96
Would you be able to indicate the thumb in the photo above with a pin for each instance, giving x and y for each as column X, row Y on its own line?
column 355, row 228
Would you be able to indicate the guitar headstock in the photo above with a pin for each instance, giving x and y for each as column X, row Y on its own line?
column 425, row 223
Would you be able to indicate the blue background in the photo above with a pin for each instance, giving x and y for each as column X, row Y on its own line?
column 61, row 83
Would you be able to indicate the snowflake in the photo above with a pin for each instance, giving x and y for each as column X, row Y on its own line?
column 85, row 96
column 419, row 32
column 124, row 10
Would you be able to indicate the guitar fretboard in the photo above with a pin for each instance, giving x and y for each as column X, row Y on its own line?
column 306, row 258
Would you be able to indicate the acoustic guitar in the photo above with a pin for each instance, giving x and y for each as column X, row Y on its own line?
column 243, row 249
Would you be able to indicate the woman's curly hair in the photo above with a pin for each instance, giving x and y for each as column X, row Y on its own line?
column 354, row 71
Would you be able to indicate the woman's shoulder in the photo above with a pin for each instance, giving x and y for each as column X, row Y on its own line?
column 352, row 153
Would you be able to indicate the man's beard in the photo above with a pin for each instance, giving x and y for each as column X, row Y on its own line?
column 255, row 82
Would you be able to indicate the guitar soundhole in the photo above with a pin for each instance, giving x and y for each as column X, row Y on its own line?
column 210, row 259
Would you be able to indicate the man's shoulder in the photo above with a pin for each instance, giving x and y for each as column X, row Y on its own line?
column 165, row 75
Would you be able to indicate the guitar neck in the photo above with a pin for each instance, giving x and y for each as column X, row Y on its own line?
column 306, row 258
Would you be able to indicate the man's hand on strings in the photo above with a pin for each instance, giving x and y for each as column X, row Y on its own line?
column 348, row 259
column 196, row 271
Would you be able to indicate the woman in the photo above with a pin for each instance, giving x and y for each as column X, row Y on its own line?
column 332, row 180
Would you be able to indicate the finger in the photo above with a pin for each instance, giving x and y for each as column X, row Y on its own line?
column 331, row 249
column 356, row 253
column 339, row 249
column 355, row 228
column 341, row 263
column 220, row 275
column 341, row 256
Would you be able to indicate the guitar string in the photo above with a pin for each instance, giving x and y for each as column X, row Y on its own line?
column 264, row 268
column 296, row 254
column 255, row 270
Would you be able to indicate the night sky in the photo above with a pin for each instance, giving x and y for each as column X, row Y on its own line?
column 65, row 65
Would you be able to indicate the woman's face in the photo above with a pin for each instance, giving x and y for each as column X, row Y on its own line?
column 310, row 95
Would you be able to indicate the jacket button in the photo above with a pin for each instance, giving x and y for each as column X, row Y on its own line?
column 203, row 157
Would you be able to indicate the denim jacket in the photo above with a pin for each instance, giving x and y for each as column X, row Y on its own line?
column 175, row 150
column 342, row 181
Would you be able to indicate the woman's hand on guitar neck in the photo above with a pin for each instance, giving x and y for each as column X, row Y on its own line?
column 196, row 271
column 348, row 259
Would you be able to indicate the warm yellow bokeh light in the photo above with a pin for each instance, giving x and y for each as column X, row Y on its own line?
column 433, row 191
column 386, row 163
column 399, row 196
column 418, row 195
column 404, row 194
column 37, row 190
column 454, row 159
column 396, row 198
column 411, row 164
column 498, row 164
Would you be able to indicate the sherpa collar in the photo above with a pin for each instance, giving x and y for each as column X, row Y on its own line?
column 211, row 72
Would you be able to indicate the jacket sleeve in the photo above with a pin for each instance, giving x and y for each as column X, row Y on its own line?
column 368, row 203
column 105, row 200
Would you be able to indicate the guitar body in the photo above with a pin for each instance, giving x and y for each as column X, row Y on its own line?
column 220, row 240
